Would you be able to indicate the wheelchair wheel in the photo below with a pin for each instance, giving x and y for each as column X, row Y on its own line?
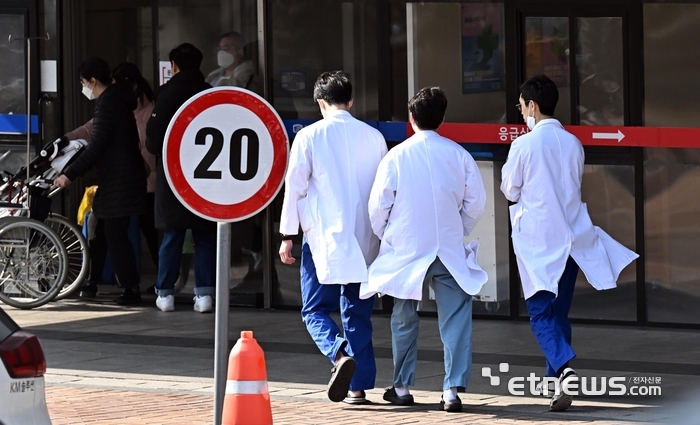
column 33, row 263
column 77, row 250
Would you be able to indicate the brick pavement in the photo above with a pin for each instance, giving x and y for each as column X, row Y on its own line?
column 88, row 406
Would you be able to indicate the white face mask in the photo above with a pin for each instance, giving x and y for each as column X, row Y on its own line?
column 87, row 91
column 224, row 59
column 531, row 119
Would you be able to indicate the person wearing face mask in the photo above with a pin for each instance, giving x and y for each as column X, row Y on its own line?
column 552, row 233
column 128, row 73
column 234, row 70
column 114, row 153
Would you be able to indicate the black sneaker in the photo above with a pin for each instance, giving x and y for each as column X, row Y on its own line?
column 451, row 405
column 341, row 375
column 129, row 297
column 88, row 290
column 393, row 398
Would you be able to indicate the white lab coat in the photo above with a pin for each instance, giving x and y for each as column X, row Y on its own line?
column 331, row 168
column 428, row 195
column 543, row 176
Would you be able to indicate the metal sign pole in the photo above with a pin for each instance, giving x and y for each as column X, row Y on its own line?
column 223, row 266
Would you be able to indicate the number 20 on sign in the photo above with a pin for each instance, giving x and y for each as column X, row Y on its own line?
column 225, row 154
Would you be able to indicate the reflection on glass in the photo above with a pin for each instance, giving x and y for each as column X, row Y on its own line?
column 12, row 92
column 608, row 191
column 202, row 23
column 671, row 63
column 547, row 52
column 672, row 232
column 216, row 26
column 599, row 63
column 312, row 37
column 438, row 35
column 104, row 26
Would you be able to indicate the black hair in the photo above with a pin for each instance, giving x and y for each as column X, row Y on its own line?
column 428, row 108
column 334, row 87
column 95, row 68
column 186, row 56
column 542, row 91
column 237, row 38
column 129, row 73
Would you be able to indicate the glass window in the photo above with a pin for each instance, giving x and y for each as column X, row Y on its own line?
column 104, row 25
column 311, row 37
column 226, row 31
column 599, row 62
column 459, row 47
column 308, row 38
column 547, row 52
column 12, row 70
column 671, row 61
column 672, row 231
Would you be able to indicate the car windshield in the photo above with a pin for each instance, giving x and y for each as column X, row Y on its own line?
column 7, row 326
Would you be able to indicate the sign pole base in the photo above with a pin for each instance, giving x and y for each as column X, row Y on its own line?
column 223, row 265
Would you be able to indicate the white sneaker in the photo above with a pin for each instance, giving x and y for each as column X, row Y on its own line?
column 166, row 303
column 546, row 387
column 203, row 303
column 568, row 381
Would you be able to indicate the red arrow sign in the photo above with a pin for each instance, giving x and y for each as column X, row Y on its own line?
column 650, row 137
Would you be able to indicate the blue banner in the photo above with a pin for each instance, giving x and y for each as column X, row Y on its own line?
column 17, row 124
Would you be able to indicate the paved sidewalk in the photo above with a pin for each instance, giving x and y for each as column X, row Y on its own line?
column 84, row 406
column 137, row 365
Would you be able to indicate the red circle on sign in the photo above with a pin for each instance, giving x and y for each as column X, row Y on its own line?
column 182, row 188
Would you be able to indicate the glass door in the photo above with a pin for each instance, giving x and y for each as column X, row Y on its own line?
column 584, row 56
column 584, row 52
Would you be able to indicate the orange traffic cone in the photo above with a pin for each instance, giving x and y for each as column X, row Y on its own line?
column 247, row 400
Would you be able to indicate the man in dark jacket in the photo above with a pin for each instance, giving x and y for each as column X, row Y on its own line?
column 171, row 215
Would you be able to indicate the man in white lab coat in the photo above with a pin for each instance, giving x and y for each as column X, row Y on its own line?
column 427, row 196
column 331, row 169
column 552, row 232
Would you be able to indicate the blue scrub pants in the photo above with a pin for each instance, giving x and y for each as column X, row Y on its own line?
column 549, row 319
column 319, row 301
column 454, row 321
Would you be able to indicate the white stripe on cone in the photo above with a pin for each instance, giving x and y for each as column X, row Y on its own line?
column 246, row 387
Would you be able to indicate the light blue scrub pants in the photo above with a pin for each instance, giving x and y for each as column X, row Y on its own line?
column 549, row 319
column 319, row 301
column 454, row 321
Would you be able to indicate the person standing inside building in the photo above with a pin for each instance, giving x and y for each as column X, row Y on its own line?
column 114, row 152
column 170, row 214
column 427, row 197
column 552, row 232
column 331, row 169
column 234, row 70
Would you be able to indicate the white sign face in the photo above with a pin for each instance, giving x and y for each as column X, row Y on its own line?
column 225, row 154
column 226, row 119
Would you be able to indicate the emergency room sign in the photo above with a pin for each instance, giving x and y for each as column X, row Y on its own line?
column 225, row 154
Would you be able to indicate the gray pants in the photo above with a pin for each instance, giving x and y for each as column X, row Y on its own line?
column 455, row 323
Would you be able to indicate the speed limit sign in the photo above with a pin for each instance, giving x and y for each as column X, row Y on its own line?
column 225, row 154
